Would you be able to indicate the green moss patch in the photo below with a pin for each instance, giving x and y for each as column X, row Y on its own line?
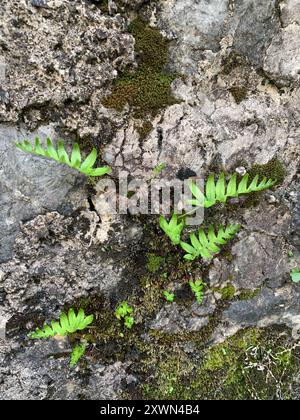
column 246, row 294
column 239, row 93
column 273, row 169
column 233, row 61
column 145, row 129
column 154, row 262
column 147, row 89
column 253, row 364
column 227, row 292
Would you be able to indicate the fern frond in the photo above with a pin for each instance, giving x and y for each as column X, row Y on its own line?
column 67, row 324
column 77, row 353
column 206, row 245
column 60, row 155
column 197, row 288
column 221, row 191
column 173, row 229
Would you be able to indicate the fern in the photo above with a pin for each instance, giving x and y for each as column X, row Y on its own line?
column 197, row 288
column 68, row 324
column 122, row 310
column 207, row 245
column 295, row 275
column 221, row 191
column 77, row 353
column 173, row 229
column 60, row 155
column 169, row 296
column 129, row 322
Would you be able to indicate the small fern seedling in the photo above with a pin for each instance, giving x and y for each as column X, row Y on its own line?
column 169, row 296
column 173, row 229
column 68, row 324
column 295, row 275
column 77, row 352
column 221, row 191
column 197, row 288
column 128, row 322
column 206, row 245
column 124, row 311
column 60, row 155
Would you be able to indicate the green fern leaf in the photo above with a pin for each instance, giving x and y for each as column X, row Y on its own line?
column 206, row 245
column 197, row 288
column 50, row 151
column 90, row 160
column 77, row 353
column 60, row 155
column 67, row 324
column 219, row 192
column 173, row 229
column 76, row 156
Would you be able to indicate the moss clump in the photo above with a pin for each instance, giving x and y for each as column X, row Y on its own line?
column 148, row 89
column 104, row 6
column 154, row 263
column 227, row 292
column 145, row 129
column 239, row 93
column 248, row 294
column 274, row 169
column 232, row 61
column 253, row 364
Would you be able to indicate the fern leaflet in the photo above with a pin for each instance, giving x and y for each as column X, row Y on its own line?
column 68, row 324
column 222, row 190
column 60, row 155
column 77, row 353
column 206, row 245
column 172, row 229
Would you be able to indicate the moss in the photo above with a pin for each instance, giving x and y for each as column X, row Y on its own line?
column 154, row 262
column 227, row 292
column 232, row 61
column 253, row 364
column 145, row 129
column 150, row 45
column 104, row 6
column 224, row 354
column 151, row 299
column 246, row 294
column 274, row 169
column 147, row 89
column 239, row 93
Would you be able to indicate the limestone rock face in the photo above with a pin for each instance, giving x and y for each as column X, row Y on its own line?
column 66, row 54
column 236, row 67
column 282, row 62
column 31, row 186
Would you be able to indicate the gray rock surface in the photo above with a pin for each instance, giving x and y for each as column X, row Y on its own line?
column 278, row 306
column 290, row 12
column 66, row 54
column 30, row 185
column 200, row 26
column 282, row 61
column 38, row 374
column 173, row 318
column 55, row 261
column 261, row 253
